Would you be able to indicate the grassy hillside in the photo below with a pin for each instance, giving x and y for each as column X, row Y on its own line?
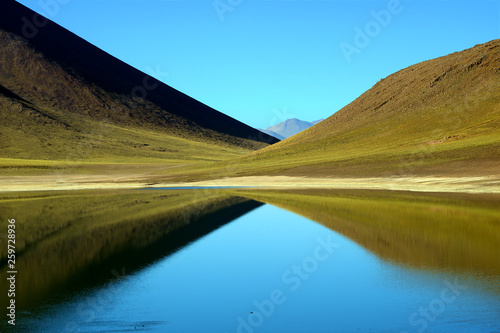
column 439, row 117
column 421, row 230
column 63, row 99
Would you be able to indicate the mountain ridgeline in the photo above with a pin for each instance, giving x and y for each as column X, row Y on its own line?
column 61, row 97
column 289, row 128
column 438, row 117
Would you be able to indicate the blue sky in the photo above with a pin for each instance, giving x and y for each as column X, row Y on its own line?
column 263, row 62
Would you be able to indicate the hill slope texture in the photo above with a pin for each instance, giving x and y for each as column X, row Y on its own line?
column 438, row 117
column 61, row 98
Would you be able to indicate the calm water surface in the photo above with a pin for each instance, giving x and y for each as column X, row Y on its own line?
column 274, row 271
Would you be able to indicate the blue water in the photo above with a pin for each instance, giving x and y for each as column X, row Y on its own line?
column 273, row 271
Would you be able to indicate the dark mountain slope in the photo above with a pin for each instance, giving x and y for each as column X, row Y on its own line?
column 59, row 76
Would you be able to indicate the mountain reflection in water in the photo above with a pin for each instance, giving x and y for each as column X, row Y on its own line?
column 73, row 241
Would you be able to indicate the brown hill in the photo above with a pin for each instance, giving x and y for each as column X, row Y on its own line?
column 438, row 117
column 62, row 98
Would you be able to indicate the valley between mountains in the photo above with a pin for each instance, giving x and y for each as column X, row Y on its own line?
column 75, row 117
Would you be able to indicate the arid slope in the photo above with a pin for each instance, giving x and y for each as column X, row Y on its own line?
column 63, row 99
column 439, row 117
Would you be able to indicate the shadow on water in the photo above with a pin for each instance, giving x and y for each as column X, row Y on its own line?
column 68, row 242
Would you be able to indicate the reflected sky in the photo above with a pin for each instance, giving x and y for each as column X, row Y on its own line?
column 274, row 271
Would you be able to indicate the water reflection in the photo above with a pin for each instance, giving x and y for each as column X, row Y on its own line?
column 427, row 231
column 74, row 247
column 68, row 242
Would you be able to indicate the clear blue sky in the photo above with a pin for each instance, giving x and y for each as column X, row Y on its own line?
column 262, row 62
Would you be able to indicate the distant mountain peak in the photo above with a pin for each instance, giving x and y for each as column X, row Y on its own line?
column 440, row 117
column 289, row 127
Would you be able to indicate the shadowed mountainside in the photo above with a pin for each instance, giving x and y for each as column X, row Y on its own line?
column 63, row 98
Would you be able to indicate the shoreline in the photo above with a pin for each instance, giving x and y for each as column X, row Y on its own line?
column 479, row 184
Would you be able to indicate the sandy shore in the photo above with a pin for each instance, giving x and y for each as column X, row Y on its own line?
column 421, row 184
column 488, row 184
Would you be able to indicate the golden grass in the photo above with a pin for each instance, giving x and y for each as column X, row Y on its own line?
column 61, row 237
column 421, row 230
column 50, row 112
column 440, row 117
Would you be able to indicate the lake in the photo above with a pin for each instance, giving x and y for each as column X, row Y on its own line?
column 244, row 260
